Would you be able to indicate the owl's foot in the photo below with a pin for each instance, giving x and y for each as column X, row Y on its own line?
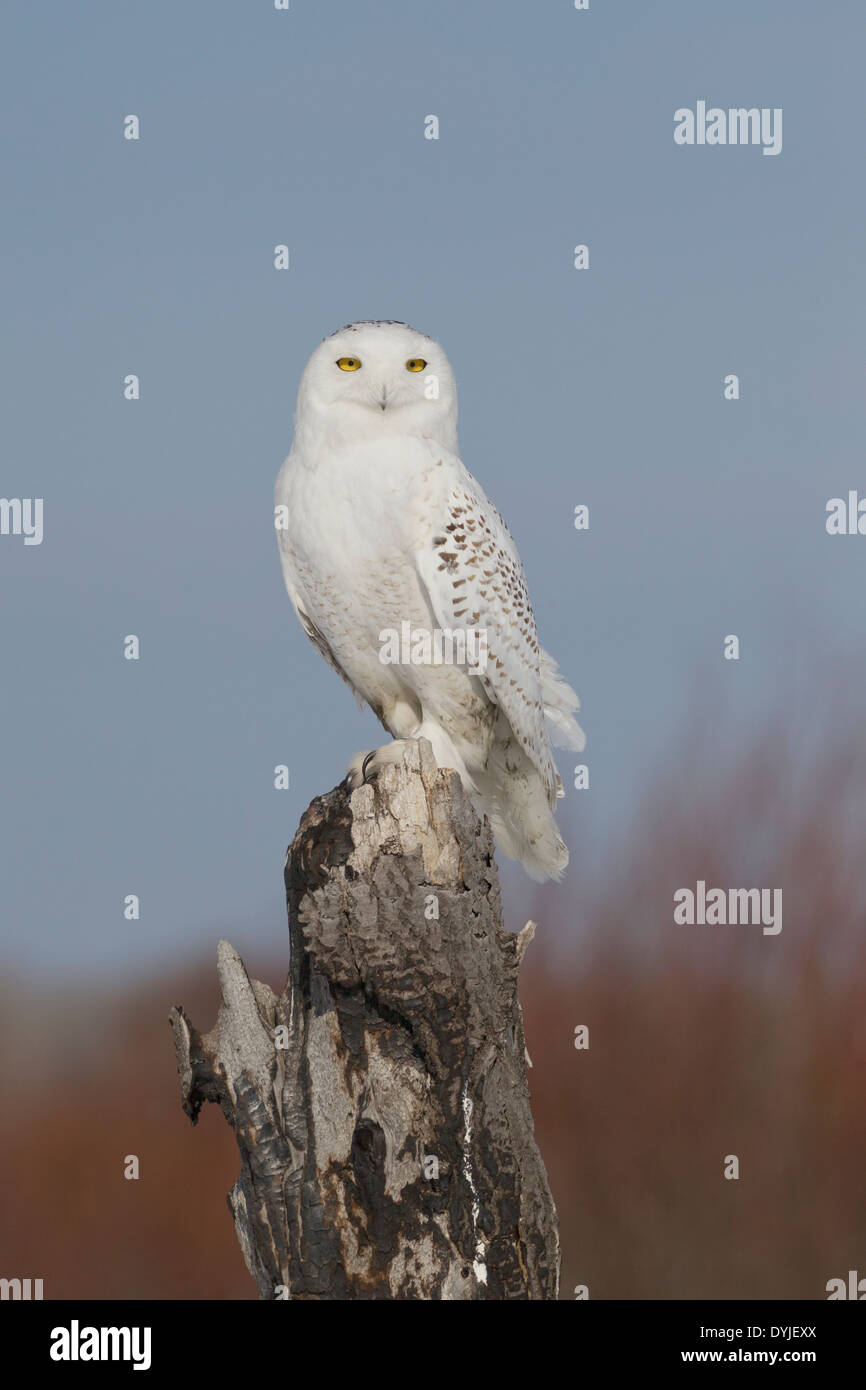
column 364, row 766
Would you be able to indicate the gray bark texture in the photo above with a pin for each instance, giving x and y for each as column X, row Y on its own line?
column 380, row 1103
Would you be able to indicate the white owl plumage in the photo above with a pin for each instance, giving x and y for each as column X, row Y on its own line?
column 385, row 526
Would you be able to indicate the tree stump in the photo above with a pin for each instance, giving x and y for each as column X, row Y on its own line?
column 380, row 1103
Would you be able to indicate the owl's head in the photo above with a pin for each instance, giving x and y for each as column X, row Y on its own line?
column 378, row 378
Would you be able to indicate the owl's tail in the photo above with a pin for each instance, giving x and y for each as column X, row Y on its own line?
column 511, row 791
column 560, row 706
column 512, row 795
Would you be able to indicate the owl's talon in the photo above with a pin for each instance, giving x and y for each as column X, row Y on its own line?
column 364, row 766
column 356, row 772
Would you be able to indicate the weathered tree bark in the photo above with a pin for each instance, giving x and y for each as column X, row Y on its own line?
column 380, row 1102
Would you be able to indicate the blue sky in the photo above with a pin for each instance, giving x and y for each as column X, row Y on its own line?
column 601, row 387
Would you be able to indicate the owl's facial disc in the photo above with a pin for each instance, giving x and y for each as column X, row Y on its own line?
column 382, row 379
column 373, row 380
column 379, row 366
column 373, row 377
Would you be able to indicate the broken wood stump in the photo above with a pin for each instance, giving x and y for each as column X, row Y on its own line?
column 380, row 1102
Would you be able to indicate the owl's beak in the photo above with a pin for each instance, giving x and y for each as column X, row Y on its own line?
column 383, row 399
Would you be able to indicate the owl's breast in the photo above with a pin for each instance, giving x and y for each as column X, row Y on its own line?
column 373, row 502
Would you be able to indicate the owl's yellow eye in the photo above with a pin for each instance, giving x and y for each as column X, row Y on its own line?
column 415, row 364
column 348, row 364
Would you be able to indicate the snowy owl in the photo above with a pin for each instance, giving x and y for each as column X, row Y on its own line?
column 390, row 551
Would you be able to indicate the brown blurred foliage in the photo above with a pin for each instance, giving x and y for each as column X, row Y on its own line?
column 704, row 1042
column 713, row 1040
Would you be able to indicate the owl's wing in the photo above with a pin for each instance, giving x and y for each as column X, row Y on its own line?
column 475, row 580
